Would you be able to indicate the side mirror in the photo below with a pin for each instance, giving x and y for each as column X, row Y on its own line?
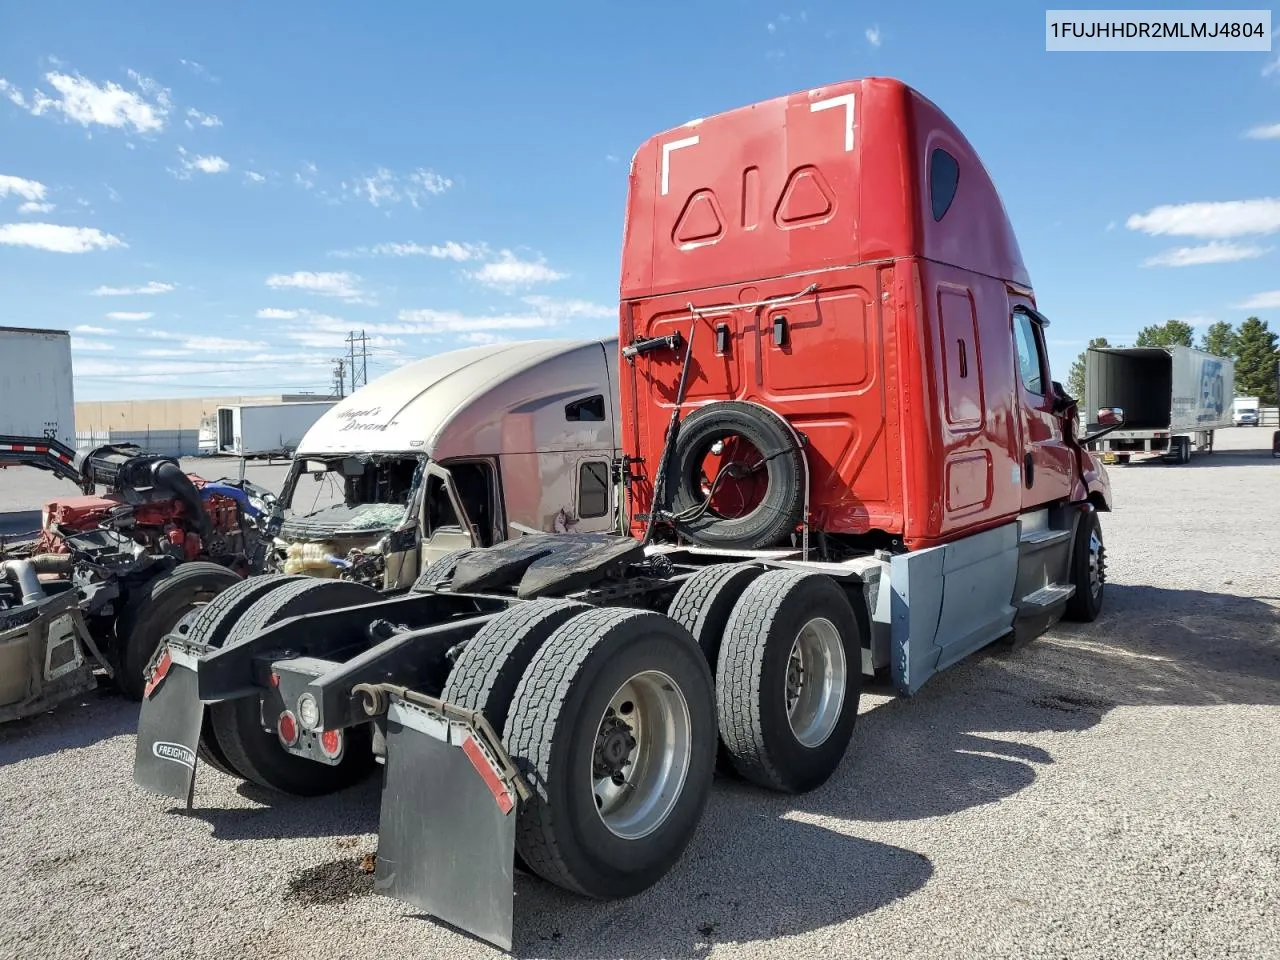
column 1110, row 417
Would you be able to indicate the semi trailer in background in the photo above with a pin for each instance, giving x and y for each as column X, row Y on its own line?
column 36, row 396
column 1173, row 398
column 266, row 429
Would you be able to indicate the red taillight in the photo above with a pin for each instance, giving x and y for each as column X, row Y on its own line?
column 331, row 743
column 287, row 729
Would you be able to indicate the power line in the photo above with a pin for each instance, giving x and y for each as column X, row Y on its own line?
column 339, row 376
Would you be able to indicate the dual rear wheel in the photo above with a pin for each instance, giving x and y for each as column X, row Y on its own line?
column 617, row 717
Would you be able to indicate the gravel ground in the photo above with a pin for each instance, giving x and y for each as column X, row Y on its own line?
column 1104, row 792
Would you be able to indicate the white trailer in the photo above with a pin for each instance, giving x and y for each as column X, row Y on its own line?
column 266, row 429
column 36, row 396
column 1173, row 399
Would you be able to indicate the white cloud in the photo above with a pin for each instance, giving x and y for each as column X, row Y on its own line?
column 148, row 288
column 873, row 36
column 80, row 100
column 190, row 164
column 12, row 94
column 197, row 119
column 1271, row 67
column 85, row 328
column 1232, row 218
column 1266, row 131
column 198, row 69
column 449, row 250
column 56, row 238
column 510, row 272
column 569, row 309
column 306, row 177
column 429, row 322
column 79, row 344
column 129, row 315
column 21, row 187
column 254, row 177
column 344, row 286
column 385, row 188
column 33, row 207
column 1216, row 251
column 482, row 338
column 1262, row 301
column 222, row 344
column 271, row 313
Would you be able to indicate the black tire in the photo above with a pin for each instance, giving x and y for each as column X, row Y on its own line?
column 780, row 509
column 702, row 606
column 552, row 732
column 703, row 603
column 154, row 609
column 1085, row 605
column 489, row 670
column 752, row 674
column 237, row 724
column 211, row 626
column 440, row 571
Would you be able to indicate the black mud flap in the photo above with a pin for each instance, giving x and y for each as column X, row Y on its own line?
column 164, row 759
column 446, row 839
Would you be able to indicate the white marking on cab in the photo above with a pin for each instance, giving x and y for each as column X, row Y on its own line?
column 846, row 101
column 667, row 149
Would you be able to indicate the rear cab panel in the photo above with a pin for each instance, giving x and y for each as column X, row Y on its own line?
column 899, row 366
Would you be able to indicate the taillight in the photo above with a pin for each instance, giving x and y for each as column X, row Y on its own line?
column 287, row 729
column 331, row 743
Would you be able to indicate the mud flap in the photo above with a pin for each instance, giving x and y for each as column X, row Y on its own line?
column 446, row 840
column 164, row 760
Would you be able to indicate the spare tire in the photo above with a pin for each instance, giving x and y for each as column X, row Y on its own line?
column 756, row 445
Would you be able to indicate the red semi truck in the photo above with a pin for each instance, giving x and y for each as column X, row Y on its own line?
column 843, row 454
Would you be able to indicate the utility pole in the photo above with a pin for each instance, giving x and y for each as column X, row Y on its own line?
column 339, row 377
column 352, row 340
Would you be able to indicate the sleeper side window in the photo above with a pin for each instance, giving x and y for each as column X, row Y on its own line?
column 1028, row 344
column 944, row 178
column 588, row 409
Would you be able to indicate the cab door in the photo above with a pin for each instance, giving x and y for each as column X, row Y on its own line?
column 1046, row 458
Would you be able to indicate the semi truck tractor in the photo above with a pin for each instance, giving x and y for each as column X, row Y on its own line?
column 842, row 454
column 1174, row 399
column 526, row 433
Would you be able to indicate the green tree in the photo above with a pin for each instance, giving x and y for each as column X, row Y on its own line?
column 1220, row 340
column 1168, row 334
column 1075, row 376
column 1256, row 358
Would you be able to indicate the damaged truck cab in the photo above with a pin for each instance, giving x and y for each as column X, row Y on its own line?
column 463, row 449
column 842, row 454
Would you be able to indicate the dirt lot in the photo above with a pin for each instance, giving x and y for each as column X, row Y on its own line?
column 1106, row 792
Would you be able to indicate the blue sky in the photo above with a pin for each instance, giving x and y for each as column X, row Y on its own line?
column 211, row 197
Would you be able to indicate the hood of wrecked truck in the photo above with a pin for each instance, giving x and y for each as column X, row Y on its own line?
column 342, row 521
column 459, row 399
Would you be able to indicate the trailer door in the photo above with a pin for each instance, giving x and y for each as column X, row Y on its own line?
column 1046, row 459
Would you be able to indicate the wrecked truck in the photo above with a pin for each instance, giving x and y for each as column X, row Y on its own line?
column 110, row 572
column 462, row 449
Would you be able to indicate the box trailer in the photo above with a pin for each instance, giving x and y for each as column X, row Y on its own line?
column 36, row 396
column 1173, row 399
column 266, row 429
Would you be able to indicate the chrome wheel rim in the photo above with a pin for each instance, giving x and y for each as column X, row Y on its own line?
column 641, row 755
column 817, row 675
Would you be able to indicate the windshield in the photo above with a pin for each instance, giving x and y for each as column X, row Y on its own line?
column 366, row 490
